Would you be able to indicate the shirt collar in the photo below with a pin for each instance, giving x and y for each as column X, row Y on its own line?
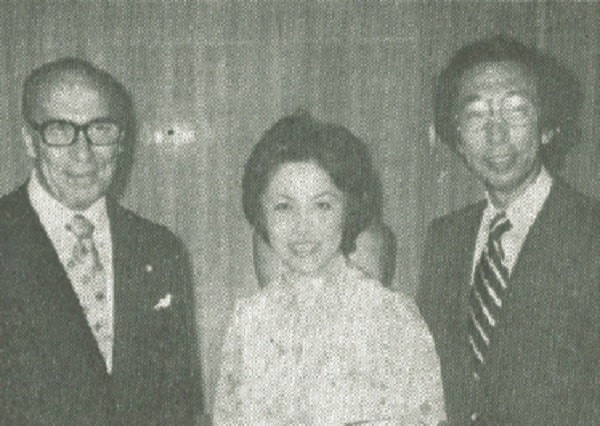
column 55, row 215
column 525, row 208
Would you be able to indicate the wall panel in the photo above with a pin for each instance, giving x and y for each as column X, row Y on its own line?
column 209, row 77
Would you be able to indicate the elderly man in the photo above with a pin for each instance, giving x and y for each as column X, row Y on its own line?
column 510, row 286
column 95, row 316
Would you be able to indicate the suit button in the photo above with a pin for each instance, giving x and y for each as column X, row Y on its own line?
column 475, row 376
column 474, row 418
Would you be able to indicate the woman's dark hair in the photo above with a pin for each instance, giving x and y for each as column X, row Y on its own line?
column 345, row 158
column 559, row 95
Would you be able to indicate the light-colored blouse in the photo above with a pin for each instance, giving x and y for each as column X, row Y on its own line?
column 339, row 349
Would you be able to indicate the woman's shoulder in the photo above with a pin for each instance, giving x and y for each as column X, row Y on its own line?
column 389, row 306
column 372, row 291
column 267, row 300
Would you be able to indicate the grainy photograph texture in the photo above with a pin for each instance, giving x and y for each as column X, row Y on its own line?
column 299, row 212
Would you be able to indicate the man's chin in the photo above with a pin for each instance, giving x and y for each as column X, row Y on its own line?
column 82, row 199
column 82, row 181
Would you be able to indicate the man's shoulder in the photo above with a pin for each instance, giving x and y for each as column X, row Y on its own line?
column 458, row 219
column 13, row 206
column 146, row 232
column 575, row 215
column 564, row 193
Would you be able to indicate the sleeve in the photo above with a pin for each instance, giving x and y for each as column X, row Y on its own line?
column 228, row 403
column 182, row 395
column 589, row 393
column 426, row 400
column 417, row 366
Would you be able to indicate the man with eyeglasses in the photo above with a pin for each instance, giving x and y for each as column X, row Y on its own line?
column 510, row 286
column 96, row 324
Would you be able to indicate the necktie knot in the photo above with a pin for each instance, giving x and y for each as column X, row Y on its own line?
column 83, row 230
column 81, row 227
column 498, row 226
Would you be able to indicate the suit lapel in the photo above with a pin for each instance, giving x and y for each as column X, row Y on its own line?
column 123, row 253
column 51, row 278
column 536, row 269
column 131, row 292
column 464, row 262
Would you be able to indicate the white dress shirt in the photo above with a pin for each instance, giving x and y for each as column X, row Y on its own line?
column 522, row 212
column 54, row 217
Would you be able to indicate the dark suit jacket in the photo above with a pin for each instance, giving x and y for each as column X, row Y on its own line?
column 543, row 366
column 52, row 372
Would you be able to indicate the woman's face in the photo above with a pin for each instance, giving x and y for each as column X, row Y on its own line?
column 304, row 216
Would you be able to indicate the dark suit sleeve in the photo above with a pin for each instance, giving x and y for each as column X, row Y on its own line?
column 182, row 394
column 425, row 294
column 590, row 410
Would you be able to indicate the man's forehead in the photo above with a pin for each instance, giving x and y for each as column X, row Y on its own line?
column 496, row 75
column 70, row 93
column 73, row 85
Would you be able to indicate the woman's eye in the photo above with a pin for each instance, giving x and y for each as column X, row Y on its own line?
column 282, row 207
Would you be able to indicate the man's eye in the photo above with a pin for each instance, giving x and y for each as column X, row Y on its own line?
column 520, row 113
column 59, row 127
column 324, row 205
column 516, row 101
column 477, row 107
column 474, row 114
column 102, row 127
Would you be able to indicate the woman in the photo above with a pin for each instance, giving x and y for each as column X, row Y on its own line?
column 322, row 343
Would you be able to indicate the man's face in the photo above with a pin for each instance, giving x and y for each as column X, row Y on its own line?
column 497, row 119
column 76, row 175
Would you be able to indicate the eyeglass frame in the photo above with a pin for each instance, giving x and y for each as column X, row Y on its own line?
column 499, row 112
column 40, row 128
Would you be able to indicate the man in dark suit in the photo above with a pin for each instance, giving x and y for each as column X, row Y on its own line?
column 96, row 323
column 510, row 286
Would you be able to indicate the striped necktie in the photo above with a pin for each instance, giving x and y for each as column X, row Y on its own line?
column 490, row 284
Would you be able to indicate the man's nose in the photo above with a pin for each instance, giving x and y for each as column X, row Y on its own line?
column 82, row 147
column 497, row 129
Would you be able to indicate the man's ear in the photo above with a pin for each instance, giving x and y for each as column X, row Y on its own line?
column 549, row 134
column 458, row 146
column 121, row 147
column 29, row 141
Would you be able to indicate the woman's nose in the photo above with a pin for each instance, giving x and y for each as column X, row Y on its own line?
column 303, row 223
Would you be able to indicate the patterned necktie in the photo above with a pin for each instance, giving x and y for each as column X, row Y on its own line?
column 490, row 283
column 89, row 277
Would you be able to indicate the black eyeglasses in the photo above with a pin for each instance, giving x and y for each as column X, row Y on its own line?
column 101, row 132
